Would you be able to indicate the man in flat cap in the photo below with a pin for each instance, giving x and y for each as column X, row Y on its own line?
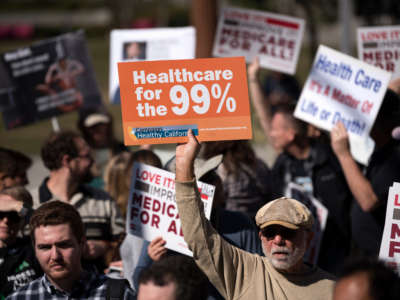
column 284, row 232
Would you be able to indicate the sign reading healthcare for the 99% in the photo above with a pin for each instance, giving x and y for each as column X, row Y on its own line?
column 161, row 100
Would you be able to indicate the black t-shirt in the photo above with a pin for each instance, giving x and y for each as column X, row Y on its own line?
column 320, row 174
column 382, row 171
column 18, row 266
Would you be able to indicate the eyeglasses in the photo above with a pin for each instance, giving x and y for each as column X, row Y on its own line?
column 271, row 231
column 3, row 177
column 12, row 216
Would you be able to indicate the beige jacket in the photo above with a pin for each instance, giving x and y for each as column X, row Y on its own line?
column 238, row 274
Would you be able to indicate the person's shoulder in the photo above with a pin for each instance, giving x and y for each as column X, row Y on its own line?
column 28, row 291
column 35, row 193
column 261, row 165
column 118, row 288
column 95, row 193
column 324, row 155
column 323, row 275
column 238, row 221
column 281, row 159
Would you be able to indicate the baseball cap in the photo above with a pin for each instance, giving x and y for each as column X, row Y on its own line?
column 94, row 119
column 286, row 212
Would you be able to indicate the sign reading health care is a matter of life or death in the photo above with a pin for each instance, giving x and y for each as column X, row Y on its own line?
column 152, row 208
column 342, row 88
column 380, row 46
column 275, row 39
column 161, row 100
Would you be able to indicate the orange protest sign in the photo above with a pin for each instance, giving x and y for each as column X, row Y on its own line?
column 161, row 100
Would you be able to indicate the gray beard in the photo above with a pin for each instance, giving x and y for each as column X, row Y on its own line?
column 292, row 259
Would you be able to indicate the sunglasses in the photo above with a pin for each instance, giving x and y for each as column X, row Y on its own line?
column 271, row 231
column 12, row 216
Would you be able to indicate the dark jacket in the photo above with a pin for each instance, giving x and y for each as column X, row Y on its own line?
column 18, row 266
column 331, row 189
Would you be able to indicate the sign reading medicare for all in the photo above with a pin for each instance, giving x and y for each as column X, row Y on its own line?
column 342, row 88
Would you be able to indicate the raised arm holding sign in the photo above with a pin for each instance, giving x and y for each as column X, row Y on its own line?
column 359, row 185
column 237, row 273
column 370, row 188
column 262, row 108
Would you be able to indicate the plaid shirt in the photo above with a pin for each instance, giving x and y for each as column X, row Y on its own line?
column 92, row 286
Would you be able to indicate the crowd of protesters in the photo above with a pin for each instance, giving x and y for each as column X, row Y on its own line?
column 63, row 238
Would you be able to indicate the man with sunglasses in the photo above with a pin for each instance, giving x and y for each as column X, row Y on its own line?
column 284, row 232
column 18, row 265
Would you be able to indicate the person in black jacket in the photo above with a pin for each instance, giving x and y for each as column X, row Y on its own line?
column 370, row 185
column 18, row 265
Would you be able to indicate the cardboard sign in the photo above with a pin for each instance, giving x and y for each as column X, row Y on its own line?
column 276, row 39
column 390, row 245
column 46, row 79
column 320, row 214
column 342, row 88
column 380, row 46
column 161, row 100
column 147, row 44
column 152, row 209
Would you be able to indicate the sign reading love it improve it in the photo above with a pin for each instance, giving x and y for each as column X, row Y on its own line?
column 161, row 100
column 275, row 39
column 152, row 209
column 380, row 46
column 342, row 88
column 390, row 245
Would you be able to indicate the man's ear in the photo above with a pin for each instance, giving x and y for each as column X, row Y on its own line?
column 291, row 133
column 65, row 160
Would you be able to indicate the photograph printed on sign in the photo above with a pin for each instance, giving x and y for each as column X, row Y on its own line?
column 147, row 44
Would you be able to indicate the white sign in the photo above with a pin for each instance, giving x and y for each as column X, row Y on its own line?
column 320, row 214
column 390, row 245
column 342, row 88
column 148, row 44
column 380, row 46
column 275, row 39
column 152, row 209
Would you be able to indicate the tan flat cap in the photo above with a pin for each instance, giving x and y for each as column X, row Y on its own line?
column 284, row 211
